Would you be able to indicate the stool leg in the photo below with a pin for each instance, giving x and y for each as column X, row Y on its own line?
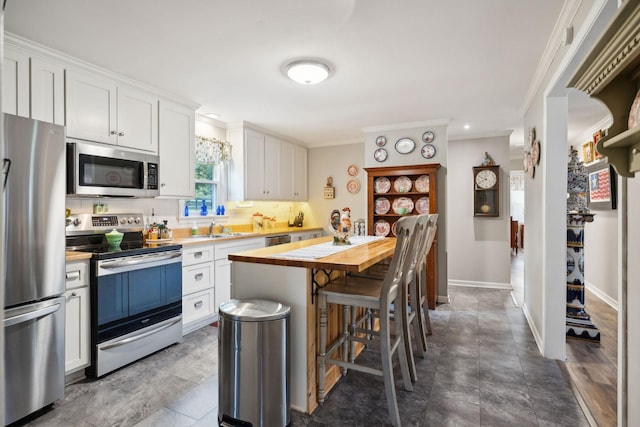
column 345, row 336
column 352, row 343
column 387, row 367
column 322, row 356
column 418, row 324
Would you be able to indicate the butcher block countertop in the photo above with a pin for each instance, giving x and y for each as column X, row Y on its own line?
column 355, row 259
column 77, row 256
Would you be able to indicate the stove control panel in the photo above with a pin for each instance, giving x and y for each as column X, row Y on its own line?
column 101, row 223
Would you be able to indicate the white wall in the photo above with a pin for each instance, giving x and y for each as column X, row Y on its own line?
column 333, row 162
column 479, row 253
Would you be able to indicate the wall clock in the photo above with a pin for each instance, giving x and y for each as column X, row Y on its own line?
column 380, row 154
column 486, row 191
column 428, row 151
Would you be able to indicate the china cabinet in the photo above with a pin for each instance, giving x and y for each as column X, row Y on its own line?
column 393, row 192
column 611, row 73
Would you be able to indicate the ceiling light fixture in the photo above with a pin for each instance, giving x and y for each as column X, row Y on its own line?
column 307, row 71
column 467, row 126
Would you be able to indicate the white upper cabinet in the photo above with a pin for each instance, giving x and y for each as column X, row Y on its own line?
column 264, row 167
column 15, row 82
column 176, row 150
column 47, row 91
column 99, row 110
column 300, row 173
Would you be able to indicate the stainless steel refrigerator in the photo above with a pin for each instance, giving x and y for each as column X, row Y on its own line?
column 34, row 255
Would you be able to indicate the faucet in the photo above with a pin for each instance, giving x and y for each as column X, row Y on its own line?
column 212, row 226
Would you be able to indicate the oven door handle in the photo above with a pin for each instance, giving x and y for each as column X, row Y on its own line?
column 142, row 335
column 146, row 260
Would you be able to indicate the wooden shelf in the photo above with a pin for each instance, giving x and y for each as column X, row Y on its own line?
column 611, row 73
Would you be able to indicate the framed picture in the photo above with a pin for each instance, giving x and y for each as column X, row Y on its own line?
column 596, row 137
column 587, row 152
column 602, row 186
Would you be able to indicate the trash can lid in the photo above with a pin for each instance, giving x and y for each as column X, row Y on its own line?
column 254, row 310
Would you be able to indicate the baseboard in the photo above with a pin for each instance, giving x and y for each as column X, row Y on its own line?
column 532, row 327
column 488, row 285
column 443, row 299
column 604, row 297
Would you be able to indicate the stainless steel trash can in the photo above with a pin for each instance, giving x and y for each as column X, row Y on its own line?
column 253, row 363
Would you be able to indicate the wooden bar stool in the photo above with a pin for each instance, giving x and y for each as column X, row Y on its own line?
column 374, row 295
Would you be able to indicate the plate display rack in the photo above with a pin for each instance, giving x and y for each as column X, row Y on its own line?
column 397, row 191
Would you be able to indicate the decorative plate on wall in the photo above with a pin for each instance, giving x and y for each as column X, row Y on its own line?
column 353, row 186
column 428, row 151
column 405, row 145
column 352, row 170
column 380, row 154
column 381, row 140
column 428, row 136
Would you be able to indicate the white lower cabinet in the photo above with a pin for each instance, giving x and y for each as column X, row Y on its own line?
column 223, row 265
column 198, row 294
column 76, row 345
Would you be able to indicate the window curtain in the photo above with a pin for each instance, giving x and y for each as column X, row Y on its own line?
column 212, row 151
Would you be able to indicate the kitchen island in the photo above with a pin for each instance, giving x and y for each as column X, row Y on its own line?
column 291, row 274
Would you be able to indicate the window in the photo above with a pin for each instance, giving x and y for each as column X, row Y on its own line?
column 207, row 180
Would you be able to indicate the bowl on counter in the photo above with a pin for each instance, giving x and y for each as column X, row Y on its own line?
column 114, row 237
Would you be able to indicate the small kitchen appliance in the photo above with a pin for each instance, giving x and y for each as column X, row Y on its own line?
column 136, row 289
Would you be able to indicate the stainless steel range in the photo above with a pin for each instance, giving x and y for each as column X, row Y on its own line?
column 136, row 290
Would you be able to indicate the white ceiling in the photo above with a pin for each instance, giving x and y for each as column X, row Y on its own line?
column 393, row 61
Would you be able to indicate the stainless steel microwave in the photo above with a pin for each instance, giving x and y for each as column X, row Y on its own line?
column 96, row 170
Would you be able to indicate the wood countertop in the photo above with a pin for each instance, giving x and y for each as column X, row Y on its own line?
column 77, row 256
column 356, row 259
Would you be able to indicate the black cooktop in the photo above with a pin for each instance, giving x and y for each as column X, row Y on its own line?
column 132, row 244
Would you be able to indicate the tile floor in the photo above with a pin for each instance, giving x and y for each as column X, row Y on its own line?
column 483, row 369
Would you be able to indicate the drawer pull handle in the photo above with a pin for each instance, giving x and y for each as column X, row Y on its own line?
column 197, row 304
column 197, row 254
column 199, row 276
column 73, row 275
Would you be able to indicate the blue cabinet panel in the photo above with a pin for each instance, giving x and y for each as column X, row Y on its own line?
column 113, row 297
column 146, row 290
column 173, row 281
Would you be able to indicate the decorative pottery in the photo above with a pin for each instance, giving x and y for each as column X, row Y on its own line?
column 382, row 185
column 402, row 184
column 382, row 205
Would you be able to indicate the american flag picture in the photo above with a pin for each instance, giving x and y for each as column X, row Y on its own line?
column 600, row 185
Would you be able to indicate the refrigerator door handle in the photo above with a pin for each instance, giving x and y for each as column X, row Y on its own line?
column 21, row 318
column 6, row 165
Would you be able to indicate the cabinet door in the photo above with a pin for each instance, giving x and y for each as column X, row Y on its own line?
column 47, row 91
column 137, row 119
column 91, row 107
column 254, row 165
column 222, row 281
column 287, row 158
column 272, row 167
column 76, row 341
column 176, row 148
column 300, row 173
column 15, row 83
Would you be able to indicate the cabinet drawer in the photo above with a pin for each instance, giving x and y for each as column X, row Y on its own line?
column 197, row 306
column 223, row 250
column 197, row 277
column 77, row 274
column 196, row 255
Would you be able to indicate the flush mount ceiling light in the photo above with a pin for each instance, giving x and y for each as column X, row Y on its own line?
column 307, row 72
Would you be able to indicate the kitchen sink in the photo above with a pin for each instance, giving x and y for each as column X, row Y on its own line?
column 219, row 235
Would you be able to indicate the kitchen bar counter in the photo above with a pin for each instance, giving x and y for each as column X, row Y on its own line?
column 264, row 273
column 76, row 256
